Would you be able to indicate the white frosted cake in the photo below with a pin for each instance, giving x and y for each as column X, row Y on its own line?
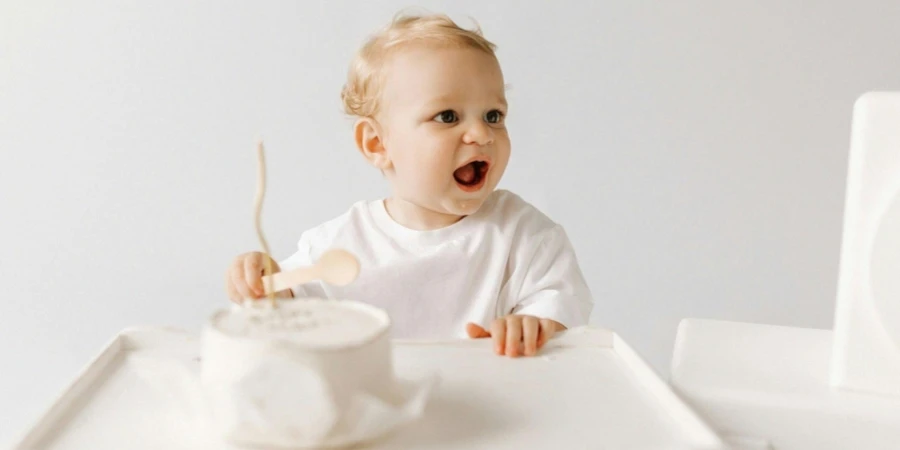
column 301, row 374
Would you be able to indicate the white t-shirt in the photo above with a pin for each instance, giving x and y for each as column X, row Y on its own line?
column 507, row 258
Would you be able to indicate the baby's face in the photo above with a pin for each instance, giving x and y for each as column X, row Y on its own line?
column 443, row 118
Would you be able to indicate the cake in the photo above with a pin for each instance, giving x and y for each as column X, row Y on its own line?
column 301, row 374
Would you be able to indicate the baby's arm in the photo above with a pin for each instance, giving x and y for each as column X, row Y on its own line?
column 553, row 286
column 549, row 295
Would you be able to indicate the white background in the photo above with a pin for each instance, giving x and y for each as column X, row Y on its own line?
column 695, row 152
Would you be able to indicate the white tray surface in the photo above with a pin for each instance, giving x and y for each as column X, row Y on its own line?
column 587, row 388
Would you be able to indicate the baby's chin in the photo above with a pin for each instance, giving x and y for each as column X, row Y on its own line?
column 463, row 206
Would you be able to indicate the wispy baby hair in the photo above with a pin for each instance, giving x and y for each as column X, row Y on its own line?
column 365, row 78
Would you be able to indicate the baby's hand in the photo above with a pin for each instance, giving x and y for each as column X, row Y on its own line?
column 243, row 280
column 513, row 332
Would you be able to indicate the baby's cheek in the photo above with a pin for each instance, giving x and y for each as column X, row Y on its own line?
column 435, row 173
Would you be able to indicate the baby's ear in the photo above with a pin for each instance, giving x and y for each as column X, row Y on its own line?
column 367, row 134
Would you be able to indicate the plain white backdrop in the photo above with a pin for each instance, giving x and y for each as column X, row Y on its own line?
column 695, row 152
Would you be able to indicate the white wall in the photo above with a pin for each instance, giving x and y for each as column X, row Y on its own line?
column 695, row 151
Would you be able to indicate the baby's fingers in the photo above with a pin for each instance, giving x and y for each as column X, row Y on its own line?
column 232, row 292
column 513, row 335
column 530, row 329
column 476, row 332
column 253, row 271
column 548, row 329
column 498, row 332
column 237, row 285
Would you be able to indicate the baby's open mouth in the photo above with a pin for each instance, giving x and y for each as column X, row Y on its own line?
column 472, row 175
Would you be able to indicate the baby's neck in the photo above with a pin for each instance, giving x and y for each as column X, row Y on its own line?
column 415, row 217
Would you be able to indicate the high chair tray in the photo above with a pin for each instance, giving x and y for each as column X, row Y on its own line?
column 586, row 389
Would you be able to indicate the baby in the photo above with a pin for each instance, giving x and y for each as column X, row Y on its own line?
column 446, row 254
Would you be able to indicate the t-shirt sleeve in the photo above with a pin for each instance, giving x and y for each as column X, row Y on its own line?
column 553, row 286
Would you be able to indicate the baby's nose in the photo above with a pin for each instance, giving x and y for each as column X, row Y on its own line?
column 479, row 133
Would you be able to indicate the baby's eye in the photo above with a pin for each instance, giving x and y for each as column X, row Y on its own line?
column 447, row 116
column 494, row 116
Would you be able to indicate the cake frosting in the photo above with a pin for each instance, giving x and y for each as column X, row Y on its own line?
column 311, row 323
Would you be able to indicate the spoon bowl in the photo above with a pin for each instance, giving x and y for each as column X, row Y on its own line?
column 338, row 267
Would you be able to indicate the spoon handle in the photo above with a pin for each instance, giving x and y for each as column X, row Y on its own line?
column 285, row 280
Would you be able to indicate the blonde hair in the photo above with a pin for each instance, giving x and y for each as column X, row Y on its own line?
column 365, row 77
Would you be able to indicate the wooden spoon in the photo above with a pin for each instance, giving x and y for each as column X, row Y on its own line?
column 336, row 267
